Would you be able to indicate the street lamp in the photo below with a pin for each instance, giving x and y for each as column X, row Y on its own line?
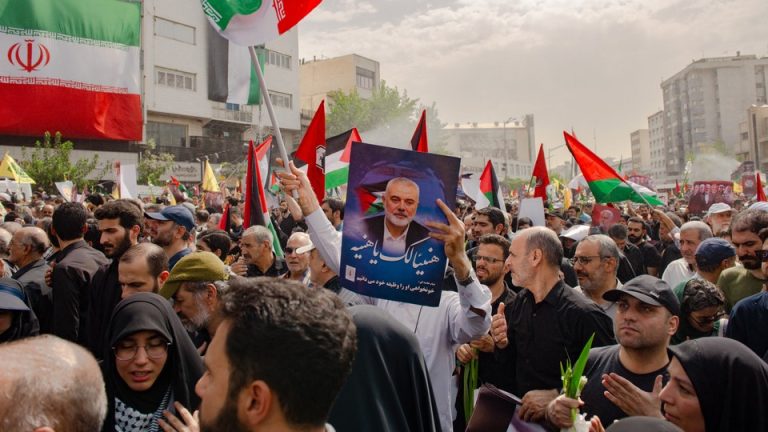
column 506, row 149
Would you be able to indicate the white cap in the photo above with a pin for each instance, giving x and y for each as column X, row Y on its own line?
column 576, row 232
column 305, row 249
column 719, row 208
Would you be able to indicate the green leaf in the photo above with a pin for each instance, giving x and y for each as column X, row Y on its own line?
column 578, row 368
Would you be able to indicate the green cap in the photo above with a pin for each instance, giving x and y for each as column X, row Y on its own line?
column 195, row 267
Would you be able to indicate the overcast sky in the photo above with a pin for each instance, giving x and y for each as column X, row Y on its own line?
column 591, row 65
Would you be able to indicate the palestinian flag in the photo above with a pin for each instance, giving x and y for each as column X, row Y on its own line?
column 71, row 66
column 263, row 153
column 604, row 182
column 419, row 139
column 337, row 150
column 254, row 22
column 490, row 189
column 312, row 152
column 231, row 74
column 256, row 211
column 540, row 176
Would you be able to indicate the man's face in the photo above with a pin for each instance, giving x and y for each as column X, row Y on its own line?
column 47, row 211
column 401, row 200
column 315, row 265
column 764, row 264
column 707, row 188
column 554, row 223
column 16, row 249
column 191, row 309
column 252, row 249
column 635, row 232
column 329, row 213
column 640, row 325
column 488, row 273
column 643, row 211
column 747, row 243
column 689, row 241
column 134, row 277
column 481, row 226
column 163, row 233
column 572, row 213
column 605, row 218
column 518, row 264
column 620, row 243
column 218, row 407
column 720, row 221
column 211, row 225
column 114, row 238
column 297, row 263
column 593, row 274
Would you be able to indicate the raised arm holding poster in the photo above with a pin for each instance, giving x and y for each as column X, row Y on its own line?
column 386, row 249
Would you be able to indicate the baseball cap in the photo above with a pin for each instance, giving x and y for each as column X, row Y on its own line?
column 178, row 214
column 650, row 290
column 712, row 251
column 719, row 208
column 576, row 232
column 556, row 214
column 305, row 248
column 195, row 267
column 12, row 295
column 760, row 205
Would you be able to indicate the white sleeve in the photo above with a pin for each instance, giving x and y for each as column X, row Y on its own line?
column 464, row 323
column 325, row 238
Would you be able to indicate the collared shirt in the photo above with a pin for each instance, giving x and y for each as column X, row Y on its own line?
column 438, row 329
column 677, row 271
column 543, row 335
column 394, row 246
column 608, row 307
column 177, row 256
column 277, row 268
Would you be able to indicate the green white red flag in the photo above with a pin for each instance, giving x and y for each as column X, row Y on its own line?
column 256, row 211
column 71, row 66
column 491, row 195
column 605, row 183
column 254, row 22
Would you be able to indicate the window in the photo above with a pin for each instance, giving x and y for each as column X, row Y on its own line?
column 282, row 100
column 174, row 30
column 280, row 60
column 365, row 78
column 167, row 134
column 175, row 79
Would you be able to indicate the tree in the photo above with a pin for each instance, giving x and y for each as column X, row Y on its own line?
column 153, row 165
column 437, row 140
column 49, row 162
column 387, row 109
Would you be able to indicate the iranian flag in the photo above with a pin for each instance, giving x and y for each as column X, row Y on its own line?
column 254, row 22
column 337, row 150
column 490, row 190
column 604, row 182
column 231, row 75
column 71, row 66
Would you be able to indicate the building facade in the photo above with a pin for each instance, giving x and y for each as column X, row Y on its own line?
column 510, row 145
column 347, row 73
column 657, row 168
column 641, row 150
column 705, row 103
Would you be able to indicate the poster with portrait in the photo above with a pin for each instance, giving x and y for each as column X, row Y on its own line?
column 706, row 193
column 603, row 217
column 386, row 250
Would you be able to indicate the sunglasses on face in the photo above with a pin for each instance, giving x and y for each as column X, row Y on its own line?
column 705, row 321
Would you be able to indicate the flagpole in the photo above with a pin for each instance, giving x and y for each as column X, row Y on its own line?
column 268, row 102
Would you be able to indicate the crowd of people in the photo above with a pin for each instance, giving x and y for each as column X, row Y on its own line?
column 129, row 315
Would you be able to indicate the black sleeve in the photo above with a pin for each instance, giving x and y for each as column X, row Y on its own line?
column 569, row 274
column 652, row 257
column 66, row 304
column 625, row 271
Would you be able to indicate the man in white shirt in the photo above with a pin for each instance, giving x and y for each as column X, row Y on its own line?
column 459, row 318
column 680, row 270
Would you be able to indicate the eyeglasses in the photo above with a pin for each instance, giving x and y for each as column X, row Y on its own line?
column 762, row 255
column 491, row 260
column 154, row 350
column 705, row 321
column 290, row 250
column 584, row 260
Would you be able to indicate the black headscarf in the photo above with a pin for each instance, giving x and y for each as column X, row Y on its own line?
column 730, row 380
column 183, row 367
column 388, row 388
column 24, row 322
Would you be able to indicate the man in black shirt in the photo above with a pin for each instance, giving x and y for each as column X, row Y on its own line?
column 625, row 380
column 637, row 233
column 548, row 323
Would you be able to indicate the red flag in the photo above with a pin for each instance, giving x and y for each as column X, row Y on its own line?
column 419, row 139
column 677, row 187
column 174, row 181
column 759, row 184
column 224, row 224
column 312, row 152
column 540, row 173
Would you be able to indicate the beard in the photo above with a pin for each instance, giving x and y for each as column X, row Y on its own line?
column 200, row 320
column 226, row 420
column 398, row 221
column 750, row 262
column 119, row 249
column 634, row 239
